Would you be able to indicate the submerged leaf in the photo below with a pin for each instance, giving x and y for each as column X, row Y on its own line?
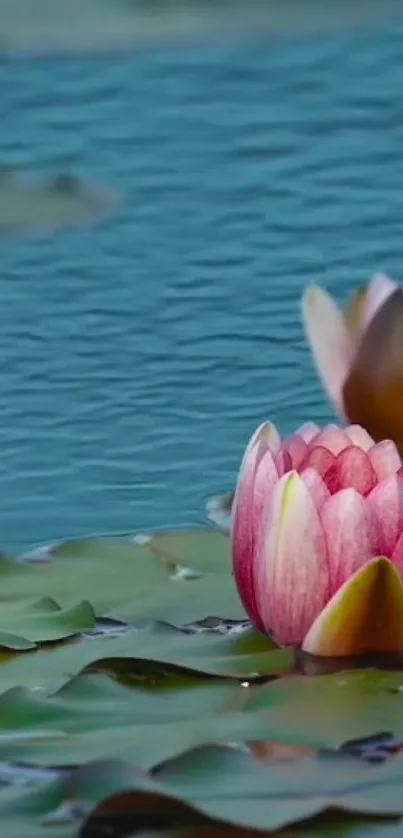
column 31, row 202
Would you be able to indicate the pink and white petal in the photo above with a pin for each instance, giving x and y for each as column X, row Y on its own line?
column 351, row 469
column 297, row 449
column 332, row 437
column 364, row 616
column 352, row 535
column 380, row 288
column 243, row 496
column 270, row 436
column 359, row 437
column 292, row 584
column 266, row 478
column 242, row 519
column 308, row 431
column 265, row 436
column 385, row 458
column 319, row 458
column 386, row 504
column 332, row 345
column 316, row 487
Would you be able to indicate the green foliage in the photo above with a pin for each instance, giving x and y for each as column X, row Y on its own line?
column 134, row 695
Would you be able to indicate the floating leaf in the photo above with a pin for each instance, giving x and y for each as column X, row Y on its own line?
column 114, row 797
column 42, row 621
column 220, row 783
column 56, row 808
column 359, row 704
column 199, row 550
column 145, row 718
column 246, row 657
column 24, row 623
column 159, row 670
column 133, row 583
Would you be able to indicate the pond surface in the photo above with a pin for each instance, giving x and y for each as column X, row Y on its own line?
column 139, row 354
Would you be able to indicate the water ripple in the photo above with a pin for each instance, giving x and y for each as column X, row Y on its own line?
column 138, row 356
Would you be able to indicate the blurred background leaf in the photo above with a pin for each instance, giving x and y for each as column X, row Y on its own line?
column 53, row 25
column 31, row 202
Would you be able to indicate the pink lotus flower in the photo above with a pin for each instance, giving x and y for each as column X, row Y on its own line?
column 317, row 539
column 359, row 354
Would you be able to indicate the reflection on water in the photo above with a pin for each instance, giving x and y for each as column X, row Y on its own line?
column 138, row 355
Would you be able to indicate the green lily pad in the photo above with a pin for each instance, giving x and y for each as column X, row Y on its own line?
column 108, row 24
column 244, row 658
column 191, row 552
column 24, row 623
column 33, row 202
column 359, row 703
column 42, row 621
column 114, row 797
column 148, row 722
column 138, row 584
column 57, row 808
column 228, row 785
column 157, row 669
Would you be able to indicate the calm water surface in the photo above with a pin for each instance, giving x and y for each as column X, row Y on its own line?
column 138, row 355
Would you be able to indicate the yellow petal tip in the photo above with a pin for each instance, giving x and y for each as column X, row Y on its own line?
column 364, row 616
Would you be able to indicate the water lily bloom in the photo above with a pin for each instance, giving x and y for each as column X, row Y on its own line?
column 317, row 539
column 359, row 354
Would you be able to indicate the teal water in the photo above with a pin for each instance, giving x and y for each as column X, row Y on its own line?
column 138, row 355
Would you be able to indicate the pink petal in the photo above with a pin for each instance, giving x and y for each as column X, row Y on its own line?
column 351, row 469
column 266, row 477
column 297, row 449
column 385, row 458
column 333, row 438
column 352, row 535
column 318, row 458
column 359, row 437
column 315, row 485
column 283, row 461
column 292, row 584
column 308, row 431
column 271, row 436
column 386, row 504
column 242, row 519
column 380, row 288
column 332, row 346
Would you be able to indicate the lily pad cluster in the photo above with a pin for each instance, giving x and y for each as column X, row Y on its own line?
column 136, row 697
